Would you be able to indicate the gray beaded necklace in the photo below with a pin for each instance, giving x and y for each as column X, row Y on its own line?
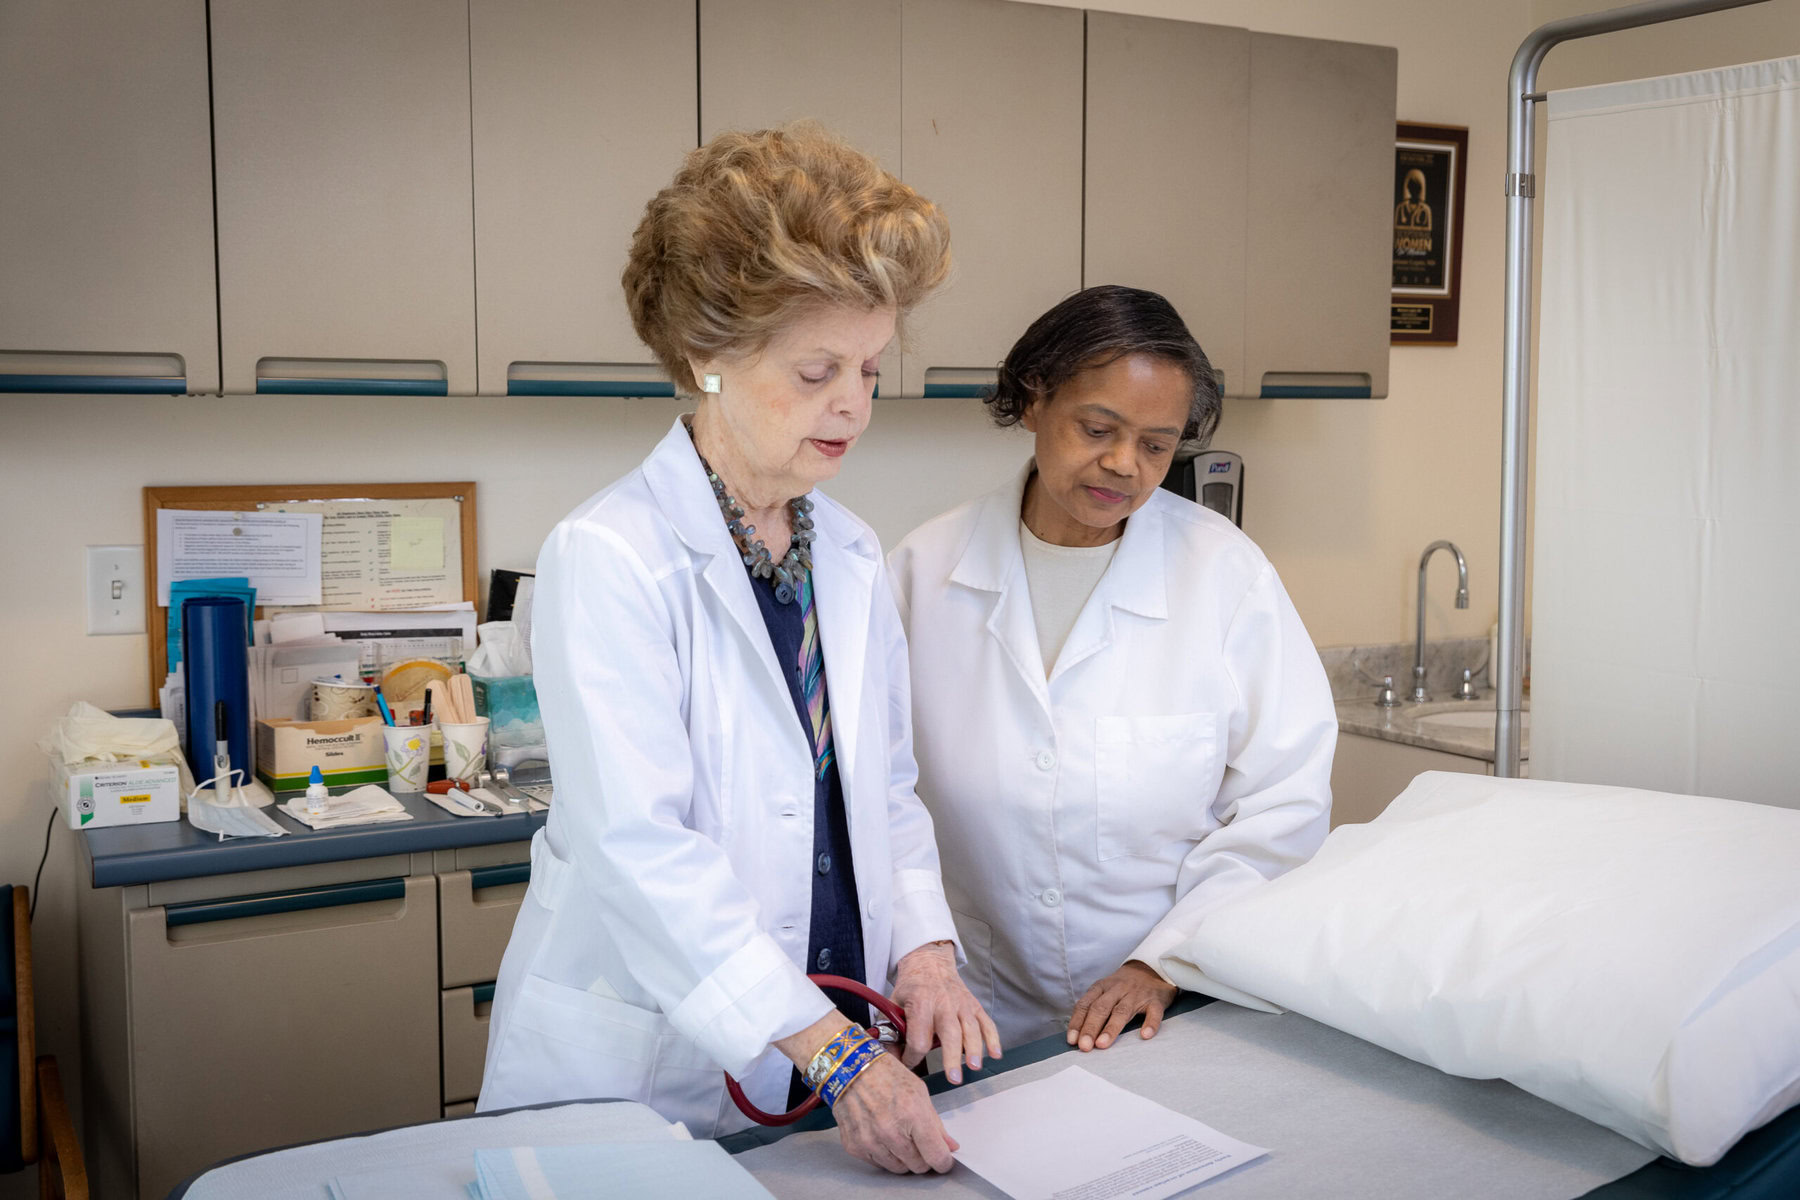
column 788, row 573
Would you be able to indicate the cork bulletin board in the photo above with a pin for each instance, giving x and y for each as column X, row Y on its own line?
column 364, row 527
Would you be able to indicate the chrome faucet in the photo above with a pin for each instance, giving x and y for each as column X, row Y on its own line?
column 1419, row 695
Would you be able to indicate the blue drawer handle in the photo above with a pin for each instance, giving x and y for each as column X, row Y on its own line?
column 352, row 387
column 957, row 391
column 588, row 387
column 1329, row 391
column 330, row 896
column 93, row 385
column 499, row 876
column 484, row 993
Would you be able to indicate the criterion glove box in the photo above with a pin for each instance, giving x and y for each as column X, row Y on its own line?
column 347, row 752
column 94, row 795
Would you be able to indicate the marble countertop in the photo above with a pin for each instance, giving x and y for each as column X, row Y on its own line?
column 1464, row 727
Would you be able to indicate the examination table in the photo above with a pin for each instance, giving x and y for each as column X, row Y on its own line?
column 1342, row 1118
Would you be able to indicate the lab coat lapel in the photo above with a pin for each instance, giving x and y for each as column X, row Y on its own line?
column 845, row 559
column 993, row 562
column 1133, row 581
column 678, row 481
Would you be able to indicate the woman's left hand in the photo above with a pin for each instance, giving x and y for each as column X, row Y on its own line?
column 937, row 1002
column 1105, row 1008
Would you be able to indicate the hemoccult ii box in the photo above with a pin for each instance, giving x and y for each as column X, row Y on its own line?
column 94, row 795
column 346, row 752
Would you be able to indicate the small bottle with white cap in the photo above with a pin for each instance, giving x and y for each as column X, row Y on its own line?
column 318, row 800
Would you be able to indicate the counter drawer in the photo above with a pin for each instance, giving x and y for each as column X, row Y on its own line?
column 269, row 1019
column 465, row 1013
column 477, row 908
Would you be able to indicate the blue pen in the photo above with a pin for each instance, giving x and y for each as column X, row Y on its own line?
column 385, row 714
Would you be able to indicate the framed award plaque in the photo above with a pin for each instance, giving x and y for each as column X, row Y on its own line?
column 1430, row 162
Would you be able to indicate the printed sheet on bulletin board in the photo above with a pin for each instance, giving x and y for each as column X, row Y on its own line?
column 387, row 554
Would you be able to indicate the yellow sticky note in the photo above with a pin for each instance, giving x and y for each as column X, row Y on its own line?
column 416, row 544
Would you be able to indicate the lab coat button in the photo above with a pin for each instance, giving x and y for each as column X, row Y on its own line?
column 1045, row 760
column 1051, row 897
column 824, row 864
column 825, row 959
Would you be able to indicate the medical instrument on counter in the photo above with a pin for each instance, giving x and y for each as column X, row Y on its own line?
column 318, row 798
column 458, row 792
column 222, row 754
column 890, row 1032
column 490, row 783
column 503, row 778
column 1419, row 694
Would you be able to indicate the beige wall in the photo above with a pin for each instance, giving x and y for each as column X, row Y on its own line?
column 1342, row 494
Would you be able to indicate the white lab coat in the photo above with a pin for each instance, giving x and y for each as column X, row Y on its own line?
column 663, row 935
column 1179, row 753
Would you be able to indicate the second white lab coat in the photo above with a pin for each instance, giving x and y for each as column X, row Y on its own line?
column 663, row 937
column 1179, row 752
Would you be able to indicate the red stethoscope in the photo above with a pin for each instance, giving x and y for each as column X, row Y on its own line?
column 891, row 1031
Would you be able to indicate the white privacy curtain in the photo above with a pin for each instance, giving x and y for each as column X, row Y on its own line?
column 1666, row 592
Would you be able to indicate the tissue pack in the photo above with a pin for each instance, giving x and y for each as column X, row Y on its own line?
column 94, row 795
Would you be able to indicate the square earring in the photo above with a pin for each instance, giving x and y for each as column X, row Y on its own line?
column 709, row 383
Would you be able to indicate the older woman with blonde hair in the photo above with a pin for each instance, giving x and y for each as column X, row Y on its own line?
column 723, row 680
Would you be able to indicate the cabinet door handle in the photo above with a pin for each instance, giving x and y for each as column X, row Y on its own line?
column 233, row 908
column 499, row 876
column 959, row 383
column 634, row 380
column 93, row 373
column 335, row 377
column 1316, row 385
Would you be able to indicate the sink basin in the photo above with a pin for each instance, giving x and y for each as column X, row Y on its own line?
column 1468, row 718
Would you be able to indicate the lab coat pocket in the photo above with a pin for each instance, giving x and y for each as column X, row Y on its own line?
column 1155, row 778
column 977, row 938
column 574, row 1044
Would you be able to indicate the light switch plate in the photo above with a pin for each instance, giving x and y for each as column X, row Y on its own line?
column 115, row 589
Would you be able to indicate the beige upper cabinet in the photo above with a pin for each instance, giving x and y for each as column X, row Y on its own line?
column 106, row 213
column 343, row 150
column 582, row 112
column 991, row 131
column 1320, row 188
column 1168, row 119
column 821, row 60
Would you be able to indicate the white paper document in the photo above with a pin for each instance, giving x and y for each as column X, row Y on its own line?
column 1074, row 1136
column 388, row 554
column 279, row 553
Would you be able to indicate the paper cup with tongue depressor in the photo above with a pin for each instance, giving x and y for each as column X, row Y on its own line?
column 408, row 756
column 465, row 748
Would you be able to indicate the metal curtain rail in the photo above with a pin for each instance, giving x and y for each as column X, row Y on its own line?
column 1521, row 187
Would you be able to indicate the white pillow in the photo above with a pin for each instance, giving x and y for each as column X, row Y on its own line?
column 1631, row 956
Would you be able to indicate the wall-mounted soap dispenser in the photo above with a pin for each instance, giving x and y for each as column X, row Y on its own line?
column 1211, row 478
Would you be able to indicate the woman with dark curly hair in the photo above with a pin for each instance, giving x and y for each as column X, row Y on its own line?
column 723, row 680
column 1119, row 719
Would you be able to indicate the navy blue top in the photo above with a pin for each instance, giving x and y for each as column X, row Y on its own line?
column 834, row 945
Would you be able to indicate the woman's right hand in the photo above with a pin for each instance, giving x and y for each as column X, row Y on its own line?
column 885, row 1117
